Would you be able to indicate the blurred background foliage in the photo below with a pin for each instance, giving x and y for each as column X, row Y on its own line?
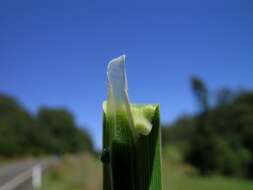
column 50, row 131
column 218, row 139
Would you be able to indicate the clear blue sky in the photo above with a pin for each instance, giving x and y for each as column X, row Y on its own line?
column 55, row 52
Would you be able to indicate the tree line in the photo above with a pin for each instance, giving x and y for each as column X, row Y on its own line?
column 216, row 139
column 219, row 137
column 49, row 131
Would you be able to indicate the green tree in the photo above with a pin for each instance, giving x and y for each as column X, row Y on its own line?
column 59, row 132
column 15, row 124
column 200, row 93
column 51, row 131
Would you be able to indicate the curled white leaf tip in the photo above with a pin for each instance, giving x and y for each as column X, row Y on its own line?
column 117, row 78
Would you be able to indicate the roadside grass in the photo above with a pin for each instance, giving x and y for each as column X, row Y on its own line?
column 83, row 172
column 184, row 177
column 181, row 176
column 74, row 172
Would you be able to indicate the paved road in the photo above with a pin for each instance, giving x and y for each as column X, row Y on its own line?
column 18, row 176
column 26, row 185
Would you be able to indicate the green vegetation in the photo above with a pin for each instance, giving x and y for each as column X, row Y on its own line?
column 138, row 160
column 131, row 150
column 218, row 139
column 180, row 176
column 50, row 131
column 77, row 172
column 83, row 172
column 178, row 180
